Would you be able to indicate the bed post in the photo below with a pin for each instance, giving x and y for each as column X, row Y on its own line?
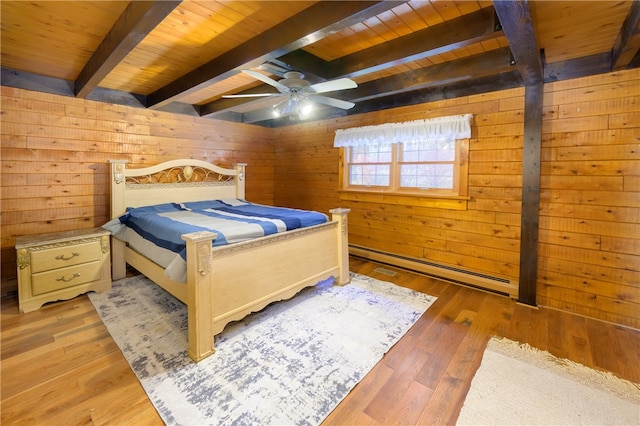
column 240, row 180
column 118, row 264
column 340, row 215
column 200, row 312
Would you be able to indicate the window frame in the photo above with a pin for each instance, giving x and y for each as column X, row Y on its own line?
column 460, row 176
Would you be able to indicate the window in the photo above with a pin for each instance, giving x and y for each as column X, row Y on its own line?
column 433, row 167
column 427, row 165
column 407, row 163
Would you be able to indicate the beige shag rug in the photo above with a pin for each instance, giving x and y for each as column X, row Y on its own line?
column 520, row 385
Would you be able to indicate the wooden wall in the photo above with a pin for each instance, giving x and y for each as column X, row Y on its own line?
column 55, row 151
column 484, row 238
column 589, row 243
column 589, row 246
column 54, row 177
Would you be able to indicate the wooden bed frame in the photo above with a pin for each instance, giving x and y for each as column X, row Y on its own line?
column 225, row 283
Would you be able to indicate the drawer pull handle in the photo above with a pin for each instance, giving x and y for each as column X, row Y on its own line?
column 66, row 280
column 61, row 256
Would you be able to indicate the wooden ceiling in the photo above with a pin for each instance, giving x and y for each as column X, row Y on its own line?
column 184, row 56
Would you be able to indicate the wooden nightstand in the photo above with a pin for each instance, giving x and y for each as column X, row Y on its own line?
column 61, row 265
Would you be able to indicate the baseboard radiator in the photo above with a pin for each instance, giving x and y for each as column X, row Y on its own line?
column 435, row 270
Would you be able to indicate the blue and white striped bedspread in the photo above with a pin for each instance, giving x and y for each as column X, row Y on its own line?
column 159, row 227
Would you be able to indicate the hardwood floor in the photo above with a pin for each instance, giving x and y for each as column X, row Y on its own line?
column 59, row 365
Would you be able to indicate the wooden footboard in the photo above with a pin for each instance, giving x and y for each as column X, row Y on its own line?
column 227, row 283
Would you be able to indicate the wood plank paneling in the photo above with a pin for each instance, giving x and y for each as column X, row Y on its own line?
column 483, row 239
column 590, row 221
column 589, row 199
column 55, row 151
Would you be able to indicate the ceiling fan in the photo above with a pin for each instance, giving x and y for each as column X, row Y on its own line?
column 299, row 93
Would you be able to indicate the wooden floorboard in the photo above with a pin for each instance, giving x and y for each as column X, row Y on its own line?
column 61, row 366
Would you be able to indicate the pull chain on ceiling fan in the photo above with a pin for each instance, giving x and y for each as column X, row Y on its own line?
column 300, row 94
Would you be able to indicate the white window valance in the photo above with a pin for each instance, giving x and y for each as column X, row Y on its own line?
column 452, row 127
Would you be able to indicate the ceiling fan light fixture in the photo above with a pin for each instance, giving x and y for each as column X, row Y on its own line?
column 294, row 104
column 285, row 107
column 304, row 108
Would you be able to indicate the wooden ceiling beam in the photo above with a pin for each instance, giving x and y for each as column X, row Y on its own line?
column 579, row 67
column 57, row 86
column 303, row 61
column 627, row 44
column 472, row 67
column 307, row 27
column 137, row 20
column 442, row 38
column 438, row 39
column 463, row 31
column 517, row 24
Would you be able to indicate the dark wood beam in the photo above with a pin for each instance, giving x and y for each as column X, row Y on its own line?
column 627, row 44
column 515, row 18
column 138, row 19
column 36, row 82
column 220, row 106
column 579, row 67
column 57, row 86
column 529, row 219
column 517, row 25
column 635, row 62
column 442, row 38
column 307, row 27
column 472, row 67
column 465, row 87
column 304, row 61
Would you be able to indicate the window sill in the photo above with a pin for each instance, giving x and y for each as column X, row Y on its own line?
column 450, row 202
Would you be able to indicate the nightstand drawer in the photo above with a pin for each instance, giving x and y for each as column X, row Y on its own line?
column 61, row 257
column 45, row 282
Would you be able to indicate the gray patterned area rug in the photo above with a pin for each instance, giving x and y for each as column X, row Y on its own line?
column 291, row 363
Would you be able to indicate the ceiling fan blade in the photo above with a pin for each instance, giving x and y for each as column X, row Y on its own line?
column 338, row 103
column 259, row 76
column 253, row 95
column 330, row 86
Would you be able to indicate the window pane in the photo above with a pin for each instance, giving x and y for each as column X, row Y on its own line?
column 373, row 168
column 357, row 156
column 443, row 150
column 444, row 176
column 426, row 176
column 408, row 181
column 382, row 180
column 371, row 153
column 444, row 183
column 380, row 176
column 369, row 175
column 446, row 150
column 355, row 175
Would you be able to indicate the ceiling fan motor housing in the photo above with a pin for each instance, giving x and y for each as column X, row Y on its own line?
column 295, row 81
